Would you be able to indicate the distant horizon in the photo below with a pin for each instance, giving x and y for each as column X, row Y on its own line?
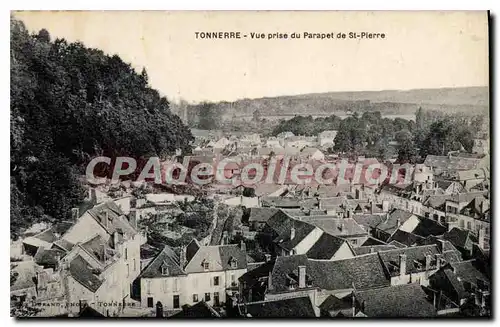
column 177, row 100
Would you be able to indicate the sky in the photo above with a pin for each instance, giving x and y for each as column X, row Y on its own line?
column 420, row 50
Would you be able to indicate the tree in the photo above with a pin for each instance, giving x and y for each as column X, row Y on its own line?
column 256, row 115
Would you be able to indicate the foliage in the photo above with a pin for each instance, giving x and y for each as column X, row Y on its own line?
column 70, row 103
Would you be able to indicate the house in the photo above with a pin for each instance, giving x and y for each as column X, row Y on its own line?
column 391, row 223
column 401, row 301
column 333, row 306
column 327, row 138
column 462, row 239
column 411, row 264
column 311, row 153
column 207, row 273
column 449, row 164
column 344, row 228
column 104, row 258
column 199, row 310
column 461, row 280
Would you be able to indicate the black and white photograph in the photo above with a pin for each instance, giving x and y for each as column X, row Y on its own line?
column 250, row 164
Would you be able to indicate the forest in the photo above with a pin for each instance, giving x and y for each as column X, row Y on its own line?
column 70, row 103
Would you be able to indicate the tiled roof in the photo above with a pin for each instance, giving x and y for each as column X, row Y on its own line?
column 368, row 221
column 285, row 308
column 325, row 247
column 335, row 226
column 116, row 219
column 199, row 310
column 428, row 227
column 166, row 258
column 405, row 238
column 219, row 257
column 459, row 237
column 45, row 257
column 362, row 272
column 372, row 249
column 390, row 224
column 83, row 273
column 261, row 214
column 403, row 301
column 415, row 258
column 302, row 229
column 98, row 248
column 437, row 201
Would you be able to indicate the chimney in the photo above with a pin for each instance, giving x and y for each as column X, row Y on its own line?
column 372, row 249
column 243, row 246
column 481, row 238
column 302, row 276
column 402, row 264
column 399, row 222
column 372, row 207
column 93, row 195
column 292, row 233
column 116, row 239
column 385, row 206
column 75, row 213
column 268, row 257
column 182, row 257
column 132, row 217
column 438, row 261
column 42, row 278
column 270, row 280
column 428, row 260
column 224, row 238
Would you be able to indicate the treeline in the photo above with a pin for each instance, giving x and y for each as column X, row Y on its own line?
column 70, row 103
column 433, row 132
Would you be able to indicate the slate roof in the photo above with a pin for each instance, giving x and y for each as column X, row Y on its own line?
column 362, row 272
column 428, row 227
column 333, row 303
column 219, row 258
column 167, row 258
column 390, row 224
column 403, row 301
column 372, row 249
column 83, row 273
column 414, row 254
column 325, row 247
column 467, row 272
column 63, row 244
column 261, row 214
column 285, row 308
column 302, row 229
column 437, row 201
column 335, row 226
column 371, row 241
column 368, row 221
column 98, row 248
column 199, row 310
column 44, row 257
column 459, row 237
column 47, row 236
column 405, row 238
column 116, row 219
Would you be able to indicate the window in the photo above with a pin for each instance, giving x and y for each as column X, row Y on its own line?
column 164, row 270
column 150, row 302
column 126, row 254
column 206, row 265
column 195, row 298
column 207, row 297
column 216, row 281
column 233, row 280
column 216, row 298
column 469, row 225
column 461, row 223
column 128, row 270
column 176, row 285
column 165, row 285
column 234, row 263
column 148, row 287
column 354, row 242
column 135, row 266
column 176, row 302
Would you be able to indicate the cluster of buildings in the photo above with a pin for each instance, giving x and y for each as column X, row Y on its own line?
column 421, row 249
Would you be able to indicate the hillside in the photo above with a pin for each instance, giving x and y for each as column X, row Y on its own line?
column 391, row 102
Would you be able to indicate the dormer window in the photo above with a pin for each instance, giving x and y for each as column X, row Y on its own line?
column 164, row 270
column 206, row 265
column 234, row 263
